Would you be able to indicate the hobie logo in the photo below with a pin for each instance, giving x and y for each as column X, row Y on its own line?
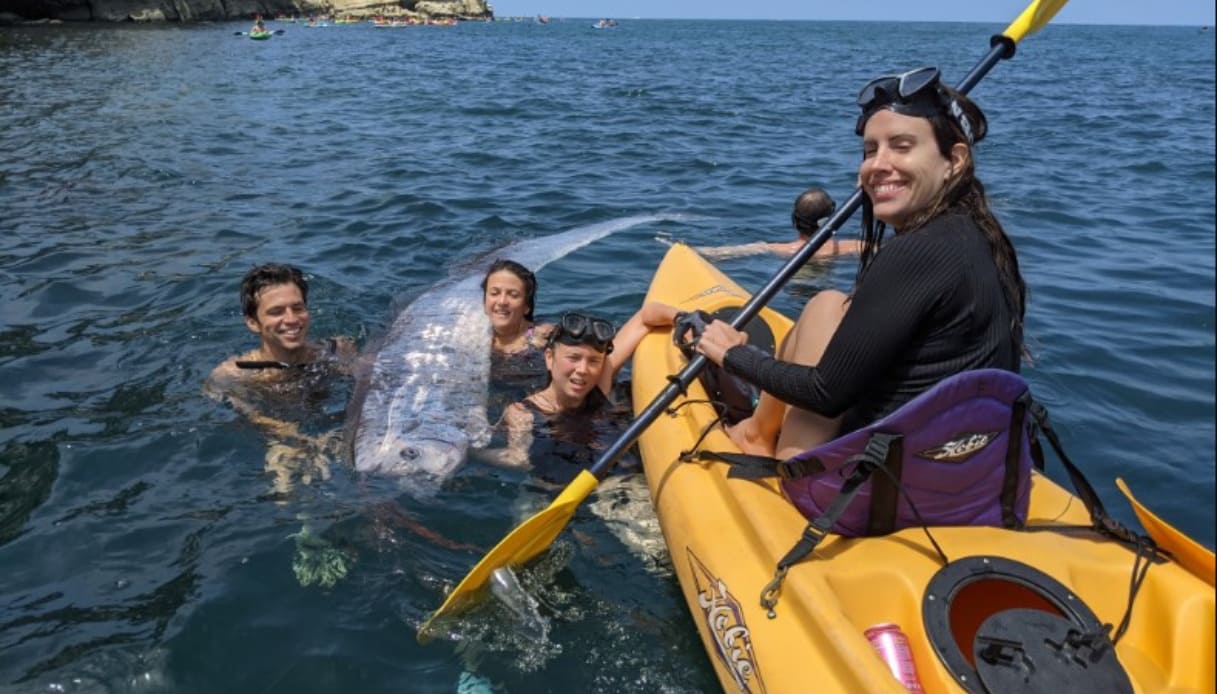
column 716, row 289
column 725, row 619
column 960, row 448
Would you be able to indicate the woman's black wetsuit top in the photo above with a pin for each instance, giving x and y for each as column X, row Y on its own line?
column 930, row 305
column 567, row 442
column 513, row 375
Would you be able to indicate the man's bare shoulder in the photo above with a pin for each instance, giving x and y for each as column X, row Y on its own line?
column 227, row 374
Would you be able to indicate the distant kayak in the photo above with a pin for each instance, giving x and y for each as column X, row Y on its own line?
column 261, row 35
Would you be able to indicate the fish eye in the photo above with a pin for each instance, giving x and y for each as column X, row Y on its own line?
column 409, row 454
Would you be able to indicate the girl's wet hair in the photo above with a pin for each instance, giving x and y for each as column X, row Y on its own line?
column 269, row 275
column 525, row 275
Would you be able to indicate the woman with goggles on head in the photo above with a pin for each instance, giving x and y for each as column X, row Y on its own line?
column 940, row 295
column 583, row 356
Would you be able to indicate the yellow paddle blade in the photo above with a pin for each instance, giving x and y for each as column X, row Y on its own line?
column 529, row 539
column 1188, row 553
column 1034, row 18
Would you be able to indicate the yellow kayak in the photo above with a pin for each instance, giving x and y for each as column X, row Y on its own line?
column 726, row 536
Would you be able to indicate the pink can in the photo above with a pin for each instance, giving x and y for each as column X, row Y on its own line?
column 893, row 646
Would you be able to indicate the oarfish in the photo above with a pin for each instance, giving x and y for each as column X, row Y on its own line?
column 422, row 404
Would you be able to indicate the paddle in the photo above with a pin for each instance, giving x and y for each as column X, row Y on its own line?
column 535, row 534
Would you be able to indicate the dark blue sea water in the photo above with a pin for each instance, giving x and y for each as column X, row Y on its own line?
column 144, row 169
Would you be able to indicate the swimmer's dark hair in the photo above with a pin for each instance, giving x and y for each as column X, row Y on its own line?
column 525, row 275
column 810, row 207
column 268, row 275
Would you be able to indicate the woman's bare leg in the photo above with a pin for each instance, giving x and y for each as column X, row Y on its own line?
column 780, row 431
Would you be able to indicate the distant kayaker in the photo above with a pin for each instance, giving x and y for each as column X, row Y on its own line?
column 279, row 379
column 811, row 209
column 560, row 427
column 942, row 295
column 259, row 26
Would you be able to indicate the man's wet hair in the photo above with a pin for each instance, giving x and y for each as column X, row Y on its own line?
column 811, row 206
column 268, row 275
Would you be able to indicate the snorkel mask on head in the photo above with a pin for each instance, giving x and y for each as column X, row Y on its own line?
column 917, row 92
column 578, row 329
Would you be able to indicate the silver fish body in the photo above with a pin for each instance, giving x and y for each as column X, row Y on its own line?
column 423, row 402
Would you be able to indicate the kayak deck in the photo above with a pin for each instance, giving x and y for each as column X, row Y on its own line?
column 726, row 536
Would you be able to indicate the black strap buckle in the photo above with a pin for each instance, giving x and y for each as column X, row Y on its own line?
column 793, row 469
column 816, row 531
column 694, row 322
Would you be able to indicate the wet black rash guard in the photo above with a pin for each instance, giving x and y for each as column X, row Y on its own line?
column 931, row 305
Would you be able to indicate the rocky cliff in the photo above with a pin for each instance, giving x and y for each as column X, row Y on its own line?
column 217, row 10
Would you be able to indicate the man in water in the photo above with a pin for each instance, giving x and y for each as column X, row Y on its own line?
column 285, row 366
column 811, row 209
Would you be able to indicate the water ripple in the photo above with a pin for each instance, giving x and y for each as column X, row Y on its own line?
column 148, row 167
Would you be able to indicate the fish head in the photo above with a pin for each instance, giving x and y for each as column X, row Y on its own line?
column 436, row 457
column 418, row 453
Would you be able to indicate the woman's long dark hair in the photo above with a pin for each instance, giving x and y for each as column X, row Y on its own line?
column 964, row 194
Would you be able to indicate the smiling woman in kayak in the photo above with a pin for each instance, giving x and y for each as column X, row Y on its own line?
column 942, row 295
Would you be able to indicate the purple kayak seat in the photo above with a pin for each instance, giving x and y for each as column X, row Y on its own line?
column 958, row 454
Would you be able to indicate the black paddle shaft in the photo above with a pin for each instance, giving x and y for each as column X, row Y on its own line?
column 1001, row 47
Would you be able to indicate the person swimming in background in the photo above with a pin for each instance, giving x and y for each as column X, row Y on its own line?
column 811, row 209
column 517, row 346
column 583, row 356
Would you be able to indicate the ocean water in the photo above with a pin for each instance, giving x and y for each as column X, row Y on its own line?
column 144, row 169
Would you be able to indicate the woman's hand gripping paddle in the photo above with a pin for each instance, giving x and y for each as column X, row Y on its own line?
column 535, row 535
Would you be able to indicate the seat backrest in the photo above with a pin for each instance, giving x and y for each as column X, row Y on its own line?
column 963, row 456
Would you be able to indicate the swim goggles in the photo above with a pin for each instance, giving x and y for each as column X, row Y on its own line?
column 890, row 88
column 578, row 329
column 913, row 93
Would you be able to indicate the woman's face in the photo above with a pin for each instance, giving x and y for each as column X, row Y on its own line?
column 505, row 302
column 902, row 170
column 575, row 370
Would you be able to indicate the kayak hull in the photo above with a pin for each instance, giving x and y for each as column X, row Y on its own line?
column 726, row 536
